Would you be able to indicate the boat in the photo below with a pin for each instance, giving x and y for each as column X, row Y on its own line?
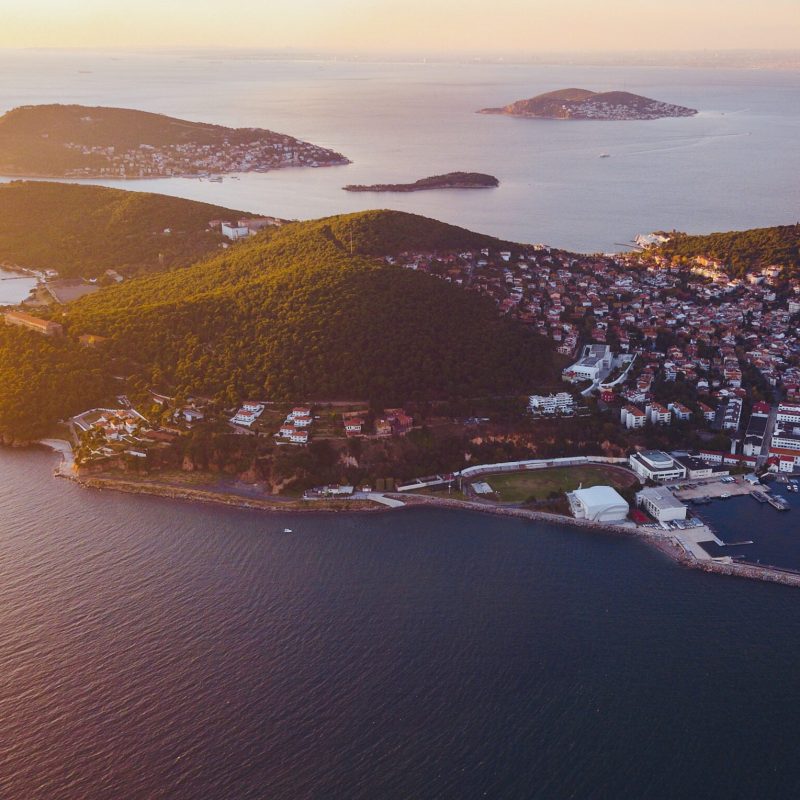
column 725, row 495
column 287, row 530
column 605, row 155
column 779, row 503
column 216, row 179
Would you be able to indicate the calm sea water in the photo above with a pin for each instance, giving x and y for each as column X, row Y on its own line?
column 732, row 166
column 151, row 649
column 14, row 287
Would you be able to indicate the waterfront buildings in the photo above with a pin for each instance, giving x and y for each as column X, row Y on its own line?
column 598, row 504
column 655, row 465
column 661, row 504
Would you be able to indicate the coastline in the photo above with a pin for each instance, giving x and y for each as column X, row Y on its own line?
column 665, row 543
column 35, row 176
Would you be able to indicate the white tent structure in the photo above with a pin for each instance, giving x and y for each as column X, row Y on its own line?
column 598, row 504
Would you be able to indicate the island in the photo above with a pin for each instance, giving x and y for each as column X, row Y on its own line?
column 585, row 104
column 450, row 180
column 378, row 360
column 73, row 141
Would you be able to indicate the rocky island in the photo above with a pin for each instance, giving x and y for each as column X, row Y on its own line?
column 585, row 104
column 451, row 180
column 72, row 141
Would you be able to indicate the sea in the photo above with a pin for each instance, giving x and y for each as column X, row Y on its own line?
column 734, row 165
column 160, row 649
column 157, row 649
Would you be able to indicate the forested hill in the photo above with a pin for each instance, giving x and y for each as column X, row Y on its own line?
column 741, row 251
column 287, row 315
column 294, row 315
column 382, row 233
column 85, row 230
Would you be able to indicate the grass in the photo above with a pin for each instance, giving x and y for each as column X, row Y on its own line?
column 517, row 487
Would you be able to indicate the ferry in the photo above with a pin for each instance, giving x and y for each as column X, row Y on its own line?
column 779, row 503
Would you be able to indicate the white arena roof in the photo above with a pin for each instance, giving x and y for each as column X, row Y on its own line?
column 599, row 503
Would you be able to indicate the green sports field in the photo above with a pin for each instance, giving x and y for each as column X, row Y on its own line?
column 517, row 487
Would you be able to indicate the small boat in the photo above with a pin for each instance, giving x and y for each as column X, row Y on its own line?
column 216, row 179
column 725, row 495
column 287, row 530
column 605, row 155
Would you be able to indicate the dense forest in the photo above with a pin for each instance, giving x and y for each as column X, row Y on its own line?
column 43, row 380
column 741, row 251
column 291, row 315
column 85, row 230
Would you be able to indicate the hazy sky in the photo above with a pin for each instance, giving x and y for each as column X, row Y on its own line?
column 446, row 26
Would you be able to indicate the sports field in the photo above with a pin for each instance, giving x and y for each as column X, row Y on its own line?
column 517, row 487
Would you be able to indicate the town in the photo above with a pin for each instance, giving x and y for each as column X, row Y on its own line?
column 266, row 151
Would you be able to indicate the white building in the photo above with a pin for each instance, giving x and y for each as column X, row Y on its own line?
column 598, row 504
column 595, row 360
column 680, row 411
column 561, row 403
column 657, row 414
column 788, row 412
column 733, row 415
column 657, row 466
column 632, row 417
column 661, row 504
column 235, row 231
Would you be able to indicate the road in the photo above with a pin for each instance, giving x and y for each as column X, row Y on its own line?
column 764, row 454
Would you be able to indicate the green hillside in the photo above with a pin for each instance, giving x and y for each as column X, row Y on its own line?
column 85, row 230
column 741, row 251
column 294, row 316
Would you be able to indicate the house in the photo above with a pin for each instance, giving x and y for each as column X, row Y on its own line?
column 657, row 414
column 680, row 411
column 43, row 326
column 299, row 437
column 733, row 415
column 353, row 426
column 632, row 417
column 561, row 403
column 234, row 231
column 708, row 413
column 248, row 414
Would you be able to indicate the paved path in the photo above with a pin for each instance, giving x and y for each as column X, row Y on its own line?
column 67, row 466
column 384, row 500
